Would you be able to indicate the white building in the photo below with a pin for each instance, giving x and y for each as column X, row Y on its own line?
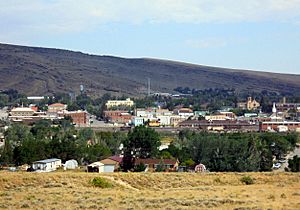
column 164, row 120
column 116, row 103
column 21, row 112
column 46, row 165
column 103, row 166
column 137, row 121
column 185, row 112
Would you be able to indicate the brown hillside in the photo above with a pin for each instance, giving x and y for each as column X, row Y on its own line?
column 34, row 70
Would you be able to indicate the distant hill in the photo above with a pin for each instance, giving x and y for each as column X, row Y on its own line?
column 37, row 71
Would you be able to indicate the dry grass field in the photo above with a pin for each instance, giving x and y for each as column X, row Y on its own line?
column 73, row 190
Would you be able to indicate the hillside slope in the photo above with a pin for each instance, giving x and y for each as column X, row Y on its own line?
column 33, row 70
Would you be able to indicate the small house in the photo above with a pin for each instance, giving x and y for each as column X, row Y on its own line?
column 46, row 165
column 106, row 165
column 96, row 167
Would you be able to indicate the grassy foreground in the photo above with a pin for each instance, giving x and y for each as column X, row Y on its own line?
column 74, row 190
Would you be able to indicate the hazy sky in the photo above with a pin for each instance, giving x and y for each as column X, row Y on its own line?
column 249, row 34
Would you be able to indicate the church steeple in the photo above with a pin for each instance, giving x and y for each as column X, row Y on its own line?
column 274, row 110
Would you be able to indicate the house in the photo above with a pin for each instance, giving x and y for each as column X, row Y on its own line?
column 117, row 103
column 109, row 164
column 2, row 140
column 155, row 164
column 96, row 167
column 46, row 165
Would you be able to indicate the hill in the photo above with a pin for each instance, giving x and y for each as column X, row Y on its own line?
column 36, row 71
column 74, row 190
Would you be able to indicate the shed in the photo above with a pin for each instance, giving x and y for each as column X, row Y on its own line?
column 71, row 164
column 46, row 165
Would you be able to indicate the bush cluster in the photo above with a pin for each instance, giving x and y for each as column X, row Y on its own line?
column 101, row 182
column 247, row 180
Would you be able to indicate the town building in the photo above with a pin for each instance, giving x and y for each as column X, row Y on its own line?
column 137, row 121
column 279, row 126
column 219, row 125
column 36, row 98
column 79, row 117
column 22, row 112
column 117, row 103
column 57, row 107
column 185, row 112
column 120, row 117
column 250, row 104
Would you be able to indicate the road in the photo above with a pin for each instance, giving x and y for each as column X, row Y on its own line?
column 3, row 113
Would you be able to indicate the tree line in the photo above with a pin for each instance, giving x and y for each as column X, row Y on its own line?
column 218, row 152
column 24, row 144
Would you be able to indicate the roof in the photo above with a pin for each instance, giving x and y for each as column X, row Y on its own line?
column 156, row 161
column 108, row 162
column 57, row 104
column 95, row 164
column 281, row 123
column 48, row 160
column 185, row 110
column 22, row 109
column 116, row 158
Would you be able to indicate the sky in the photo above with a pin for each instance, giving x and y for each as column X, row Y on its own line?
column 243, row 34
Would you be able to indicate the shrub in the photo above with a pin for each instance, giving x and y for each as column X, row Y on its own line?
column 140, row 168
column 101, row 182
column 247, row 180
column 217, row 180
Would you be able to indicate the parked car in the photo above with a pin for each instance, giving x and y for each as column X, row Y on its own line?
column 276, row 165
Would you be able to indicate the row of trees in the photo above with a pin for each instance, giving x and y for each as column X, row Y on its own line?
column 231, row 152
column 25, row 145
column 219, row 152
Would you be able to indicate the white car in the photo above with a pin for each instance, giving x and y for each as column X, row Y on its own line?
column 276, row 165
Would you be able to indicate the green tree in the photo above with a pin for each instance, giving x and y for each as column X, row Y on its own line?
column 294, row 164
column 142, row 142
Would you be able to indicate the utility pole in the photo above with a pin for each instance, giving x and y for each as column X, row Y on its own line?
column 149, row 91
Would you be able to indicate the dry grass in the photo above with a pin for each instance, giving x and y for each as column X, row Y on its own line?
column 67, row 190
